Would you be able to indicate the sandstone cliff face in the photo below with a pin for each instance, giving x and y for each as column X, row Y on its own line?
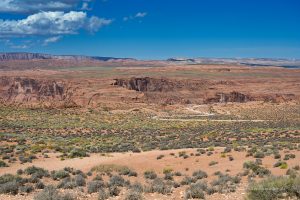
column 147, row 84
column 230, row 97
column 26, row 90
column 195, row 91
column 23, row 56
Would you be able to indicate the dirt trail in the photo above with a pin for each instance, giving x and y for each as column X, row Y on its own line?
column 209, row 120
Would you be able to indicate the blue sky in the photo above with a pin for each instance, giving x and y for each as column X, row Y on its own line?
column 152, row 29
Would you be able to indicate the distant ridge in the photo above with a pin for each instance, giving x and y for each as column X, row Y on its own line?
column 255, row 62
column 259, row 62
column 40, row 56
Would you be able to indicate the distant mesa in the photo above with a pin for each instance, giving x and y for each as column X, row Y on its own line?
column 40, row 56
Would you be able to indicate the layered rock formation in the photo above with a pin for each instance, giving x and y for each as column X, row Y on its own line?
column 171, row 91
column 230, row 97
column 147, row 84
column 32, row 91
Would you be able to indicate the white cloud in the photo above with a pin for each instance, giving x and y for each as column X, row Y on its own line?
column 24, row 6
column 51, row 23
column 137, row 15
column 95, row 23
column 51, row 40
column 141, row 14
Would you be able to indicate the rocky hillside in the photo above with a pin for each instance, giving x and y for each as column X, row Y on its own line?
column 31, row 91
column 39, row 56
column 195, row 91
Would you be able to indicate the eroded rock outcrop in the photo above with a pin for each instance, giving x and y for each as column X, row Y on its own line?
column 147, row 84
column 229, row 97
column 28, row 90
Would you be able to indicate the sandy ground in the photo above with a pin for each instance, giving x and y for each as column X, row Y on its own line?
column 141, row 162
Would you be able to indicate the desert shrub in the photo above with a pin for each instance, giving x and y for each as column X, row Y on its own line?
column 20, row 172
column 212, row 163
column 50, row 193
column 281, row 165
column 95, row 186
column 292, row 173
column 297, row 167
column 126, row 171
column 210, row 149
column 167, row 170
column 256, row 169
column 98, row 178
column 227, row 150
column 11, row 187
column 102, row 194
column 67, row 183
column 196, row 190
column 169, row 176
column 226, row 183
column 10, row 178
column 181, row 153
column 209, row 153
column 114, row 191
column 79, row 180
column 89, row 173
column 26, row 188
column 133, row 195
column 159, row 186
column 273, row 188
column 109, row 168
column 199, row 174
column 59, row 174
column 177, row 174
column 230, row 158
column 39, row 185
column 289, row 156
column 116, row 181
column 137, row 187
column 150, row 174
column 187, row 180
column 76, row 152
column 201, row 151
column 36, row 171
column 259, row 154
column 277, row 156
column 3, row 164
column 211, row 190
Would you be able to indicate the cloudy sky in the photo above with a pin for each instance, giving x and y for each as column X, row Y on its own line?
column 152, row 28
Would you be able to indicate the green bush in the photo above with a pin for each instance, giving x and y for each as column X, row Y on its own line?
column 256, row 169
column 3, row 164
column 273, row 188
column 150, row 175
column 11, row 187
column 113, row 190
column 79, row 180
column 26, row 188
column 133, row 195
column 199, row 174
column 95, row 186
column 212, row 163
column 159, row 186
column 102, row 194
column 116, row 181
column 59, row 174
column 37, row 171
column 196, row 190
column 51, row 193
